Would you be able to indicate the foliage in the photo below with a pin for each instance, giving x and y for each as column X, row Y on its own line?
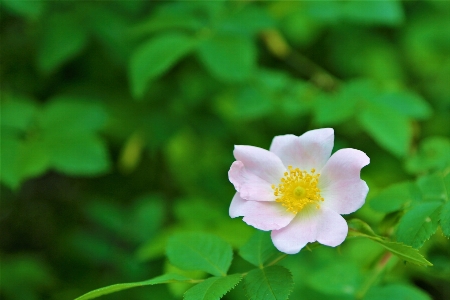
column 118, row 121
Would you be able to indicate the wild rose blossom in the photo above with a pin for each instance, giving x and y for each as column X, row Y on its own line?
column 297, row 190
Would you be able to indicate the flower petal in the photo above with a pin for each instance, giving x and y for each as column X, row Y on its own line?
column 261, row 215
column 340, row 183
column 250, row 186
column 310, row 225
column 261, row 162
column 310, row 150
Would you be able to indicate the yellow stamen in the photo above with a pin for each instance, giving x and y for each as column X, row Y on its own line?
column 297, row 189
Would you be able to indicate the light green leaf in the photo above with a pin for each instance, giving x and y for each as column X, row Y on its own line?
column 155, row 57
column 166, row 278
column 405, row 103
column 17, row 113
column 397, row 292
column 373, row 12
column 433, row 154
column 395, row 197
column 63, row 38
column 445, row 219
column 213, row 288
column 228, row 57
column 200, row 251
column 434, row 187
column 340, row 278
column 258, row 249
column 247, row 21
column 358, row 228
column 78, row 154
column 271, row 283
column 67, row 115
column 332, row 109
column 418, row 224
column 390, row 130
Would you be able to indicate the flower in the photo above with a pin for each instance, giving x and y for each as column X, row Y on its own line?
column 297, row 190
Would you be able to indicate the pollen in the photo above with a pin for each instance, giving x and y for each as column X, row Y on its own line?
column 297, row 189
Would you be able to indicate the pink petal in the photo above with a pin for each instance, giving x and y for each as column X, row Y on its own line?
column 261, row 215
column 310, row 150
column 340, row 183
column 261, row 163
column 249, row 185
column 310, row 225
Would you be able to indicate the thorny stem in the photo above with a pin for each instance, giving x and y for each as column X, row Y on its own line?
column 379, row 268
column 279, row 47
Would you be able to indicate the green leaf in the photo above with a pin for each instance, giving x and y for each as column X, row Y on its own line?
column 28, row 9
column 358, row 228
column 418, row 224
column 332, row 109
column 433, row 154
column 373, row 12
column 395, row 197
column 397, row 292
column 166, row 278
column 405, row 103
column 67, row 115
column 390, row 130
column 258, row 249
column 17, row 113
column 340, row 278
column 63, row 38
column 434, row 187
column 155, row 57
column 78, row 154
column 229, row 58
column 213, row 288
column 445, row 219
column 200, row 251
column 271, row 283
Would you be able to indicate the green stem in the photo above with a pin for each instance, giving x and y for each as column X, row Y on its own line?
column 276, row 260
column 380, row 267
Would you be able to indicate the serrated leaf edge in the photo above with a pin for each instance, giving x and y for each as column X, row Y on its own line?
column 226, row 292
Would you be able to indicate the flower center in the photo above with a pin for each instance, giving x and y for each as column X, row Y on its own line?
column 297, row 189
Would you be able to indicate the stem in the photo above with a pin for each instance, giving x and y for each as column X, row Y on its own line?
column 380, row 267
column 276, row 260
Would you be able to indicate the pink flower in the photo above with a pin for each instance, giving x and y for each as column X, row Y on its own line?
column 297, row 190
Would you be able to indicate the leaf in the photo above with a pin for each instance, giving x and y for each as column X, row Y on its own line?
column 78, row 154
column 390, row 130
column 229, row 58
column 433, row 154
column 340, row 278
column 373, row 12
column 166, row 278
column 434, row 187
column 332, row 109
column 155, row 57
column 445, row 219
column 358, row 228
column 63, row 38
column 271, row 283
column 395, row 197
column 405, row 103
column 28, row 9
column 397, row 292
column 418, row 224
column 200, row 251
column 17, row 113
column 213, row 288
column 68, row 115
column 258, row 249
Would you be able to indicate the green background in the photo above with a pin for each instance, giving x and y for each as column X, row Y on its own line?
column 118, row 121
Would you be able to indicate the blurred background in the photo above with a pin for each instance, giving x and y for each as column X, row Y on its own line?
column 119, row 118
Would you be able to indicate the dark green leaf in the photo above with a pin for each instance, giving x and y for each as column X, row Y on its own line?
column 200, row 251
column 28, row 9
column 397, row 292
column 166, row 278
column 155, row 57
column 418, row 224
column 213, row 288
column 228, row 57
column 271, row 283
column 17, row 113
column 63, row 38
column 258, row 249
column 445, row 219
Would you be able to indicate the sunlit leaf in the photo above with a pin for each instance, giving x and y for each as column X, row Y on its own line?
column 258, row 249
column 445, row 219
column 213, row 288
column 200, row 251
column 166, row 278
column 271, row 283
